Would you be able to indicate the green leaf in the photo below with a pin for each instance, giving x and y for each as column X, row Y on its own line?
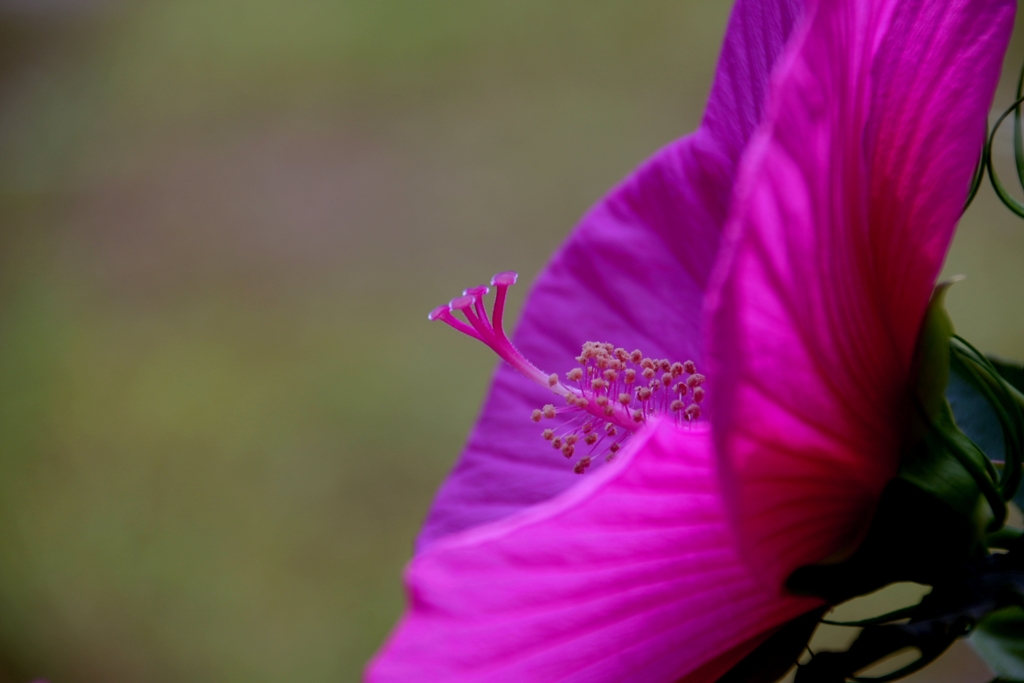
column 999, row 640
column 975, row 415
column 931, row 465
column 931, row 355
column 931, row 468
column 1013, row 373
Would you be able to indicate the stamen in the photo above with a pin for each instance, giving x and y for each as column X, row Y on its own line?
column 582, row 465
column 601, row 391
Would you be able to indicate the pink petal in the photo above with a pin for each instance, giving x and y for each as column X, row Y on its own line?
column 632, row 273
column 631, row 575
column 846, row 205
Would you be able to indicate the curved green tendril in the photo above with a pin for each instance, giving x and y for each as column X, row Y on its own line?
column 896, row 615
column 1018, row 138
column 979, row 171
column 916, row 665
column 1018, row 151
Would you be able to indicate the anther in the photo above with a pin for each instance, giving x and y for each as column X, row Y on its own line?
column 601, row 400
column 638, row 416
column 677, row 405
column 571, row 439
column 568, row 449
column 582, row 465
column 552, row 380
column 666, row 379
column 698, row 394
column 598, row 384
column 548, row 434
column 630, row 376
column 610, row 429
column 692, row 412
column 636, row 356
column 549, row 411
column 677, row 369
column 536, row 416
column 574, row 375
column 591, row 439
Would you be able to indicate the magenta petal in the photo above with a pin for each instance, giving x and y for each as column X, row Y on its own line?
column 632, row 273
column 632, row 575
column 845, row 207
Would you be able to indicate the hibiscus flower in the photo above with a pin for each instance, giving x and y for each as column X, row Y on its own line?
column 785, row 252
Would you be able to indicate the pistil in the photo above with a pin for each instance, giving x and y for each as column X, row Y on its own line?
column 612, row 393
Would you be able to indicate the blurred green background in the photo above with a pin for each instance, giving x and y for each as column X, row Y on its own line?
column 223, row 413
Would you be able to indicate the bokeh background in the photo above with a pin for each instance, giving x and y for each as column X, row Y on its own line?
column 222, row 411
